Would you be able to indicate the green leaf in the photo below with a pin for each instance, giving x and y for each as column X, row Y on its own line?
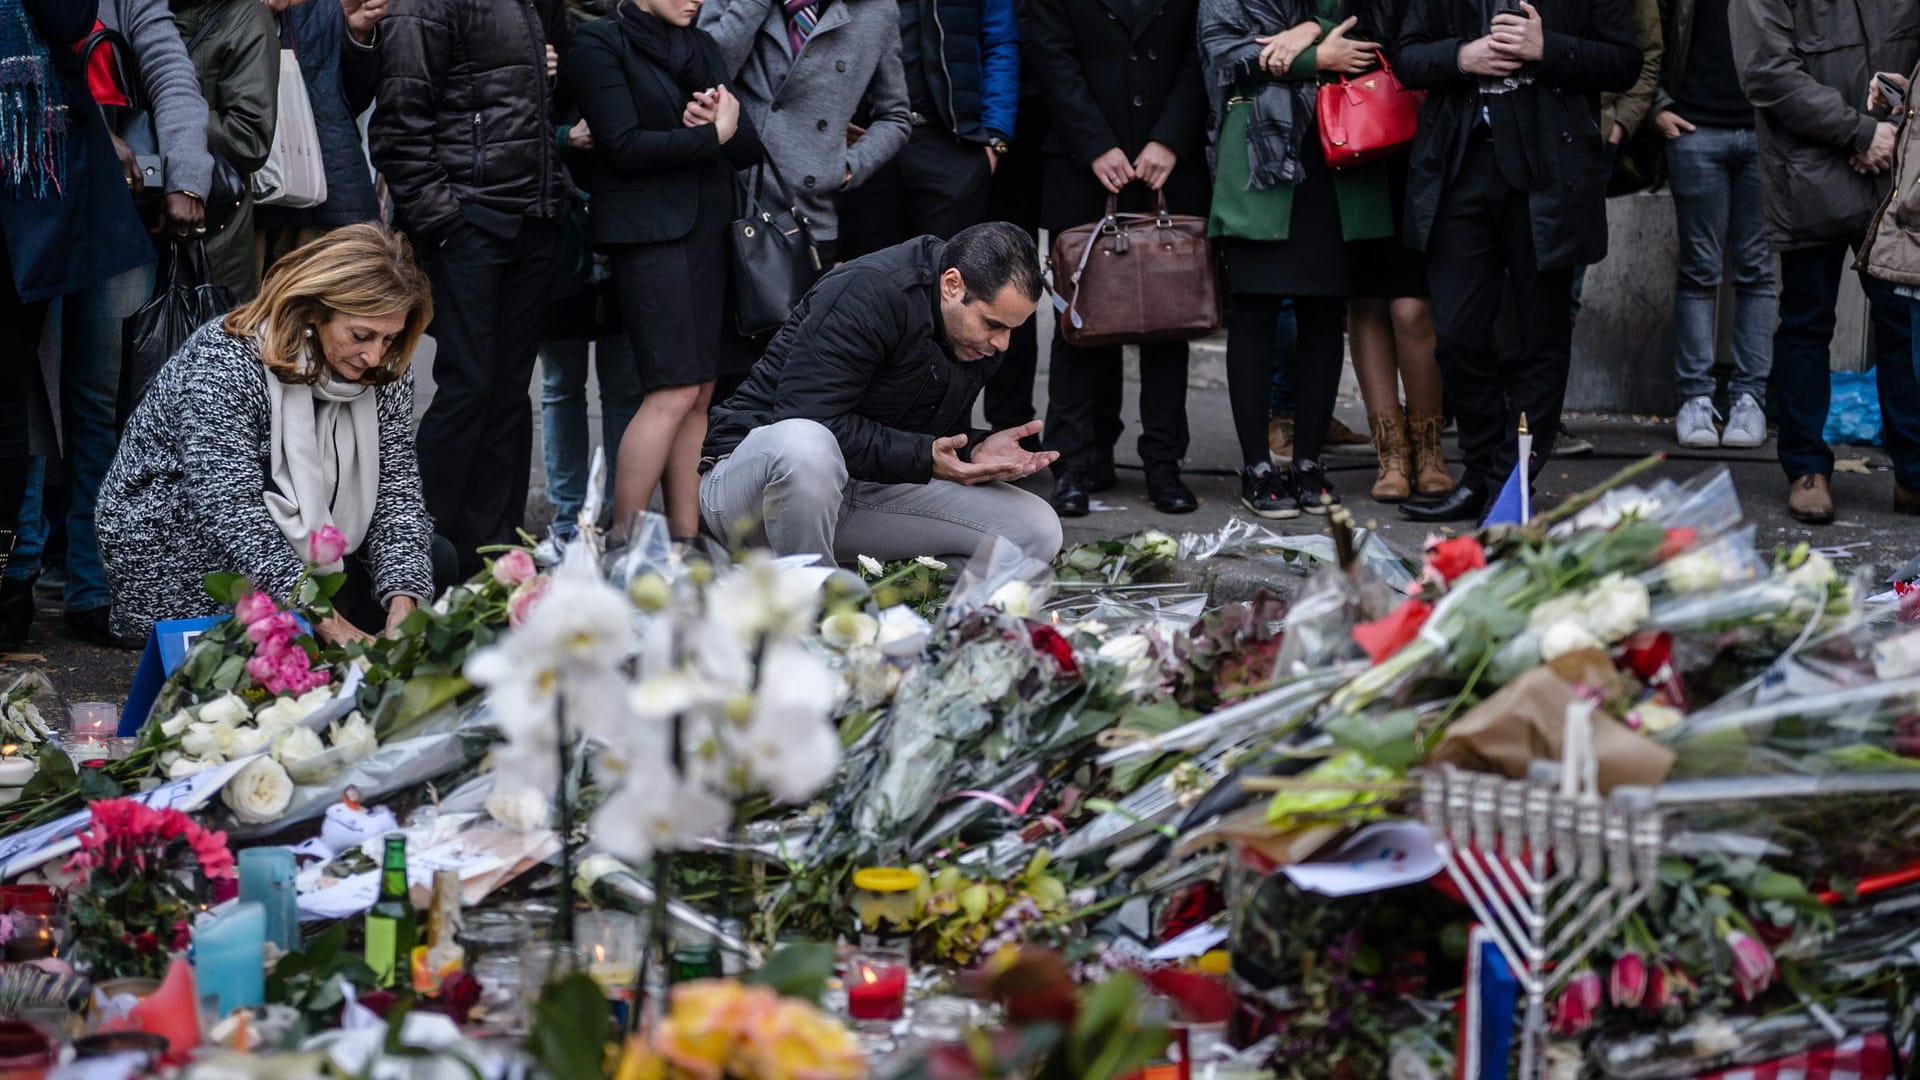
column 55, row 776
column 226, row 587
column 328, row 584
column 229, row 673
column 570, row 1028
column 1774, row 885
column 1390, row 741
column 797, row 971
column 95, row 784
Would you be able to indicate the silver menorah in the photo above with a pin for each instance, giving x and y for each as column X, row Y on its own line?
column 1550, row 871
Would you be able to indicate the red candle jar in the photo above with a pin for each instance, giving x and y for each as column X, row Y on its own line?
column 876, row 981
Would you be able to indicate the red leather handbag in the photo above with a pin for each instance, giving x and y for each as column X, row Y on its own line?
column 1367, row 117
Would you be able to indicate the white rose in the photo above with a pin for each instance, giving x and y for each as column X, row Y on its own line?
column 1813, row 575
column 296, row 746
column 870, row 566
column 1015, row 598
column 1564, row 637
column 1559, row 608
column 280, row 714
column 1694, row 571
column 1654, row 718
column 1126, row 648
column 175, row 724
column 354, row 737
column 248, row 740
column 1616, row 607
column 1157, row 544
column 259, row 793
column 845, row 629
column 902, row 631
column 313, row 699
column 203, row 739
column 228, row 709
column 187, row 766
column 523, row 810
column 929, row 562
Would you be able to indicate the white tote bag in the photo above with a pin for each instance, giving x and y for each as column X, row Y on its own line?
column 294, row 175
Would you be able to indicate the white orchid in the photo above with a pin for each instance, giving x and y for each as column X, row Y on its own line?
column 521, row 809
column 664, row 813
column 789, row 745
column 761, row 597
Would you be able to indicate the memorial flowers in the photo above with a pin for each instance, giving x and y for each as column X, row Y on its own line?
column 130, row 906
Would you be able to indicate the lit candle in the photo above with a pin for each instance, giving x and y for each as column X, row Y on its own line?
column 876, row 987
column 229, row 958
column 15, row 770
column 610, row 941
column 95, row 719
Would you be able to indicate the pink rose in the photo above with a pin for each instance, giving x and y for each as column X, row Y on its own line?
column 273, row 632
column 261, row 668
column 326, row 546
column 524, row 599
column 514, row 568
column 253, row 607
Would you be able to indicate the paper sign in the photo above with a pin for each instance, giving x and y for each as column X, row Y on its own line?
column 1192, row 942
column 24, row 851
column 1379, row 857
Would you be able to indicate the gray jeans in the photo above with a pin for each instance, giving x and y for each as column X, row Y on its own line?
column 786, row 486
column 1717, row 205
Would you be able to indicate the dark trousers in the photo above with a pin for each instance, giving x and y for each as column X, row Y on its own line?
column 20, row 327
column 360, row 603
column 1015, row 197
column 1313, row 356
column 1802, row 375
column 1083, row 404
column 476, row 441
column 936, row 184
column 1482, row 244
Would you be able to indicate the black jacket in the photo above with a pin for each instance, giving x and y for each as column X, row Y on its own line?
column 465, row 111
column 1114, row 76
column 1591, row 47
column 647, row 163
column 865, row 354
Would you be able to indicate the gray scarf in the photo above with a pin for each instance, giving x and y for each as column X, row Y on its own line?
column 1282, row 109
column 323, row 460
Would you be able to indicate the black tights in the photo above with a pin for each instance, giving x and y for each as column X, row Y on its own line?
column 1318, row 352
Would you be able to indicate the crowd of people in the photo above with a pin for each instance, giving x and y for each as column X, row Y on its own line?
column 538, row 182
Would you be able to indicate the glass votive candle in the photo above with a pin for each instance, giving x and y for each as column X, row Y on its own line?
column 543, row 962
column 94, row 719
column 88, row 751
column 34, row 937
column 876, row 982
column 492, row 932
column 609, row 941
column 540, row 917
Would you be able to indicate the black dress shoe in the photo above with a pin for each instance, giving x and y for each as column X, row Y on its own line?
column 93, row 626
column 1101, row 477
column 1167, row 494
column 16, row 611
column 1070, row 494
column 1466, row 502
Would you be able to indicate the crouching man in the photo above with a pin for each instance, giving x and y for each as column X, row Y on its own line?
column 851, row 436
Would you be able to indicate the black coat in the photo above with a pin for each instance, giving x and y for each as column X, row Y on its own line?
column 88, row 232
column 865, row 354
column 465, row 112
column 1590, row 48
column 1113, row 77
column 647, row 163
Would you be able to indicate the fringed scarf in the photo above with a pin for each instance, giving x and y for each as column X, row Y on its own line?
column 1282, row 109
column 33, row 109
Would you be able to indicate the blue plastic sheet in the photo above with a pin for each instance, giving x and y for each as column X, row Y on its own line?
column 1854, row 416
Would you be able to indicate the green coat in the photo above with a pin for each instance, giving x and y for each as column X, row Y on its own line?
column 1366, row 199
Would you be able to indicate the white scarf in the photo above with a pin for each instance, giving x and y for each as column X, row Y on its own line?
column 324, row 459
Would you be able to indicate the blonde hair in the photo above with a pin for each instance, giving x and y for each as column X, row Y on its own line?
column 365, row 270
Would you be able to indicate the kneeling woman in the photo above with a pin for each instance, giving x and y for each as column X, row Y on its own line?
column 292, row 413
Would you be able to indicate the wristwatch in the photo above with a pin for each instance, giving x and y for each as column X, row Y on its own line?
column 999, row 146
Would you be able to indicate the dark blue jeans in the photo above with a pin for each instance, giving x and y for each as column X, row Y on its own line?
column 1802, row 377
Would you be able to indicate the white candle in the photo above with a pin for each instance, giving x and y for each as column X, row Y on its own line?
column 15, row 770
column 9, row 795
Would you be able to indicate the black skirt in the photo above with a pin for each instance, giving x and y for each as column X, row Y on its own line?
column 1314, row 259
column 673, row 296
column 1387, row 269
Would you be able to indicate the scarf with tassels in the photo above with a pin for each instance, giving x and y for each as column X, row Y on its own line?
column 33, row 109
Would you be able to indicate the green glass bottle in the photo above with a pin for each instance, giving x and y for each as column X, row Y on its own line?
column 391, row 924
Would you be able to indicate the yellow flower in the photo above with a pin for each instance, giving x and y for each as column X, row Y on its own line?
column 705, row 1022
column 639, row 1062
column 795, row 1041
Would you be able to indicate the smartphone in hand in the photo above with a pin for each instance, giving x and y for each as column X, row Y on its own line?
column 1890, row 91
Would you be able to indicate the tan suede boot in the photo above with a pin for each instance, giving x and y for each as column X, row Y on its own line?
column 1394, row 482
column 1280, row 438
column 1430, row 475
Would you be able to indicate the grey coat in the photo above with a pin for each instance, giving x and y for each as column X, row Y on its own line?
column 170, row 85
column 801, row 108
column 1805, row 66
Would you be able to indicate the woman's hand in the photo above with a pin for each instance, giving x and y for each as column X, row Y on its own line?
column 580, row 136
column 1348, row 56
column 1279, row 51
column 336, row 630
column 1154, row 165
column 726, row 113
column 1113, row 170
column 397, row 611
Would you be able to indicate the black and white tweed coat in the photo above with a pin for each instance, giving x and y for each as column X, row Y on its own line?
column 185, row 496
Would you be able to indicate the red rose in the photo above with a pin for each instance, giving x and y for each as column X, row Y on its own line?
column 1048, row 640
column 1452, row 558
column 144, row 942
column 1384, row 637
column 182, row 935
column 1675, row 542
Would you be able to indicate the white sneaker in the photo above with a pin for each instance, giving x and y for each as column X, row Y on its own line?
column 1695, row 424
column 1746, row 424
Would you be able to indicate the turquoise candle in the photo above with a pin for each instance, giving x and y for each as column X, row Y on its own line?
column 266, row 878
column 229, row 958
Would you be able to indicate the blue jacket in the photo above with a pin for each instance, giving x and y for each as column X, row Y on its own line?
column 88, row 232
column 341, row 78
column 970, row 50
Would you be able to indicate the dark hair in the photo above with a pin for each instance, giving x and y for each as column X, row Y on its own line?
column 990, row 257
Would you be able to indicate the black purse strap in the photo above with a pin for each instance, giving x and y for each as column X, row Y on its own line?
column 754, row 182
column 209, row 26
column 126, row 67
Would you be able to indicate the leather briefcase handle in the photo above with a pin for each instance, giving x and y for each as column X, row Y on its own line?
column 1109, row 224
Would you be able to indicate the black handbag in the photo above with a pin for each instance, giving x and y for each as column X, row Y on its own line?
column 133, row 123
column 774, row 258
column 185, row 297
